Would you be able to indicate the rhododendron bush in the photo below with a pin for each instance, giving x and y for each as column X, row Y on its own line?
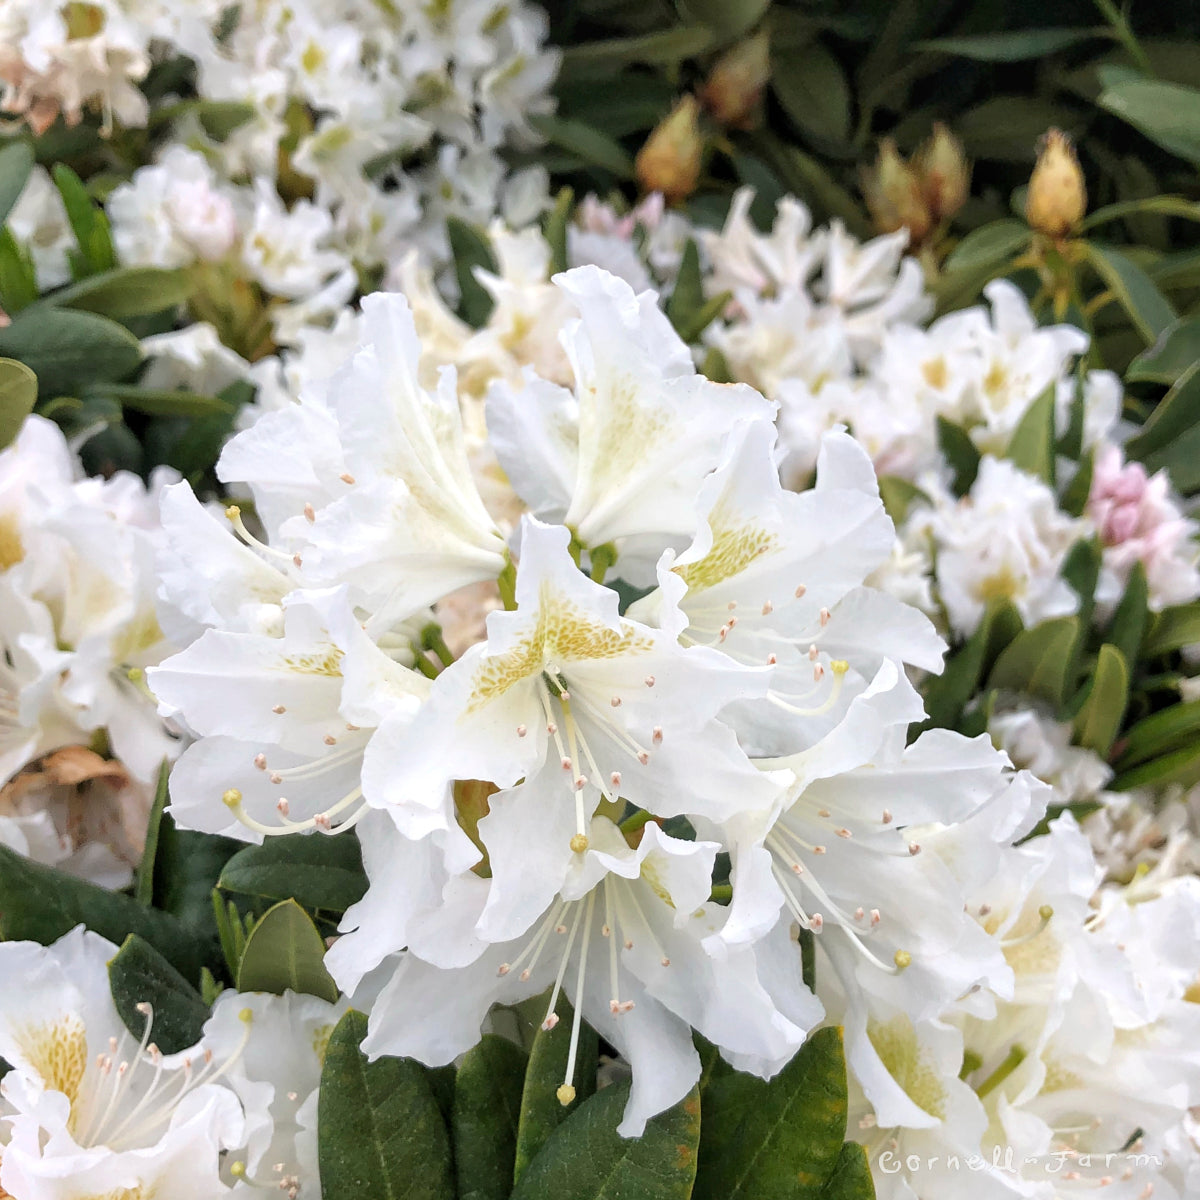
column 551, row 649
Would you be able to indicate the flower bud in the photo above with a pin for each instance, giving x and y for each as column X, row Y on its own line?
column 734, row 88
column 944, row 172
column 892, row 190
column 1057, row 198
column 669, row 162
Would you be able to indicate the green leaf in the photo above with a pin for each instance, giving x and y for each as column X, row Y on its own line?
column 1172, row 629
column 138, row 974
column 18, row 279
column 285, row 952
column 1127, row 630
column 586, row 1159
column 125, row 292
column 39, row 904
column 589, row 145
column 1075, row 496
column 143, row 887
column 380, row 1135
column 1167, row 113
column 1037, row 661
column 1176, row 414
column 947, row 694
column 487, row 1107
column 1012, row 46
column 1165, row 206
column 1148, row 309
column 88, row 223
column 1176, row 349
column 1098, row 720
column 897, row 495
column 960, row 452
column 1181, row 766
column 321, row 873
column 555, row 231
column 186, row 867
column 541, row 1111
column 604, row 58
column 990, row 246
column 218, row 117
column 1032, row 446
column 16, row 162
column 1161, row 732
column 851, row 1178
column 688, row 295
column 18, row 394
column 161, row 403
column 471, row 249
column 777, row 1140
column 67, row 350
column 811, row 88
column 728, row 18
column 1007, row 128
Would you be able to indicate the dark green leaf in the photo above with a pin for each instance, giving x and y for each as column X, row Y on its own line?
column 471, row 249
column 1075, row 496
column 138, row 974
column 285, row 952
column 1148, row 309
column 589, row 145
column 67, row 350
column 143, row 887
column 1161, row 732
column 1177, row 413
column 1176, row 349
column 688, row 296
column 186, row 867
column 125, row 292
column 81, row 211
column 321, row 873
column 1180, row 766
column 1007, row 128
column 947, row 694
column 39, row 904
column 556, row 230
column 1098, row 720
column 777, row 1140
column 541, row 1111
column 16, row 162
column 1012, row 46
column 380, row 1133
column 990, row 246
column 604, row 58
column 960, row 453
column 728, row 18
column 897, row 494
column 586, row 1159
column 1128, row 628
column 851, row 1178
column 161, row 403
column 1167, row 113
column 1032, row 446
column 811, row 88
column 18, row 279
column 1164, row 206
column 487, row 1107
column 1038, row 660
column 1172, row 629
column 18, row 394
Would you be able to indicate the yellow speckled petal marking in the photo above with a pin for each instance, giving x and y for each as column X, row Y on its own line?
column 897, row 1046
column 328, row 662
column 564, row 633
column 736, row 544
column 58, row 1053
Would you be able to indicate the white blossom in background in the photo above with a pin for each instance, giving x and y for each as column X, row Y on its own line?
column 38, row 222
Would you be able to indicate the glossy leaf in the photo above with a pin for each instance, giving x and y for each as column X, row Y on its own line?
column 381, row 1135
column 143, row 887
column 1167, row 113
column 1176, row 414
column 16, row 162
column 471, row 249
column 138, row 974
column 1166, row 206
column 1180, row 766
column 989, row 246
column 67, row 350
column 776, row 1140
column 1015, row 45
column 321, row 873
column 1099, row 719
column 1172, row 629
column 284, row 951
column 1038, row 660
column 125, row 292
column 1175, row 350
column 960, row 452
column 39, row 904
column 541, row 1111
column 1160, row 733
column 586, row 1159
column 487, row 1108
column 1148, row 309
column 1032, row 446
column 18, row 394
